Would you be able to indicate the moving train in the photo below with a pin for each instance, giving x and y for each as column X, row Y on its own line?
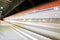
column 38, row 23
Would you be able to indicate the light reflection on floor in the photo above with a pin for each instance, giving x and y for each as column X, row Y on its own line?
column 28, row 31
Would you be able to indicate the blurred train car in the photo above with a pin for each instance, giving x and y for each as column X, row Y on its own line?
column 38, row 23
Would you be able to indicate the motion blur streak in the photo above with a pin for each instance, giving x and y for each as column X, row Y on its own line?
column 12, row 32
column 39, row 23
